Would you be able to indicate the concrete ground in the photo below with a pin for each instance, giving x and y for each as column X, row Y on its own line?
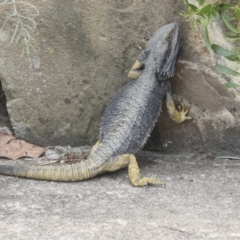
column 201, row 201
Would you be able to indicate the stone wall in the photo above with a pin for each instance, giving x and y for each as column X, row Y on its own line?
column 85, row 49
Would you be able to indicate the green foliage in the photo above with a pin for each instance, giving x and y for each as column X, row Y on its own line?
column 23, row 25
column 205, row 12
column 226, row 70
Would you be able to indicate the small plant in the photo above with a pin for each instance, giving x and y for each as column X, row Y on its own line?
column 24, row 24
column 205, row 12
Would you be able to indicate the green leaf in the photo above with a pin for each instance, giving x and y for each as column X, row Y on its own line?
column 226, row 70
column 192, row 7
column 213, row 13
column 223, row 6
column 205, row 22
column 205, row 10
column 201, row 2
column 206, row 38
column 233, row 39
column 222, row 51
column 232, row 56
column 229, row 25
column 237, row 11
column 231, row 85
column 226, row 6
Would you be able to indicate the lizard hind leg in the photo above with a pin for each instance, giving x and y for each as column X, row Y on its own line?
column 133, row 170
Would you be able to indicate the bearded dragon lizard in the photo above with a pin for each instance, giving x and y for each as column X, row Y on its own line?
column 128, row 120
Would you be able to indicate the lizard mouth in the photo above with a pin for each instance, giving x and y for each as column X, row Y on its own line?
column 165, row 75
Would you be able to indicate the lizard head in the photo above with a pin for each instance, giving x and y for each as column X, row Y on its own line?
column 164, row 45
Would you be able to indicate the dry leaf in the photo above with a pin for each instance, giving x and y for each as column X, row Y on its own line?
column 12, row 148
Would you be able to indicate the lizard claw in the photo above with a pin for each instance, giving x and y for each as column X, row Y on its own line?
column 142, row 45
column 183, row 111
column 179, row 113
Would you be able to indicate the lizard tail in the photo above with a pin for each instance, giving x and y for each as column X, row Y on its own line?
column 66, row 173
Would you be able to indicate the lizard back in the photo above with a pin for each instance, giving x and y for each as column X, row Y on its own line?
column 130, row 116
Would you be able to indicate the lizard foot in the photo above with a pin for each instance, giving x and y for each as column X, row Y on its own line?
column 183, row 111
column 137, row 66
column 133, row 170
column 142, row 45
column 180, row 114
column 147, row 181
column 134, row 173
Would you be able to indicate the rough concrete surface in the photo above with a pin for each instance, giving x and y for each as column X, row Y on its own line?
column 200, row 201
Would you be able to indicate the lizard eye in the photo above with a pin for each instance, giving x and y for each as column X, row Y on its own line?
column 169, row 36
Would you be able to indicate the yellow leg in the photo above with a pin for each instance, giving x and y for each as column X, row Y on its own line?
column 178, row 115
column 137, row 66
column 135, row 70
column 133, row 170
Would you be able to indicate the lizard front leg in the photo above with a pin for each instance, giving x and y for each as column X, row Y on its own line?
column 137, row 66
column 136, row 70
column 178, row 115
column 133, row 170
column 143, row 44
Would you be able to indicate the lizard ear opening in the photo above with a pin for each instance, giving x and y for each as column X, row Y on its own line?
column 144, row 56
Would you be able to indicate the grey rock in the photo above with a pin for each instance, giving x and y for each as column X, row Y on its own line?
column 84, row 52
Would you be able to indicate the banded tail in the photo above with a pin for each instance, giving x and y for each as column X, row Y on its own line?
column 66, row 173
